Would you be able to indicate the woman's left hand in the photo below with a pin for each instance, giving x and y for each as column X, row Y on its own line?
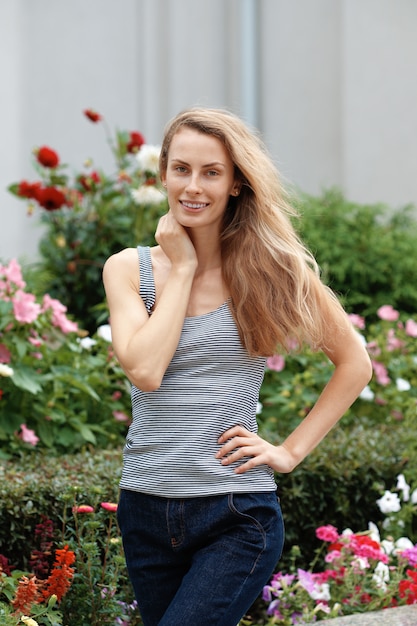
column 238, row 443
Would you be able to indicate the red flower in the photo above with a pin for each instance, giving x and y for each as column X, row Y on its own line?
column 26, row 595
column 408, row 588
column 61, row 576
column 89, row 182
column 136, row 141
column 28, row 190
column 50, row 198
column 5, row 356
column 47, row 157
column 109, row 506
column 92, row 115
column 83, row 508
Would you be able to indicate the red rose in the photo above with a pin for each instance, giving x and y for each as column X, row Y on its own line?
column 47, row 157
column 28, row 190
column 50, row 198
column 92, row 115
column 89, row 182
column 135, row 142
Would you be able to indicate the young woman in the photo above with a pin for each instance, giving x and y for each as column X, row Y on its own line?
column 193, row 320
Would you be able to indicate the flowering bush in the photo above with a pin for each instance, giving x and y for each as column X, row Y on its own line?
column 34, row 600
column 88, row 580
column 90, row 215
column 293, row 383
column 351, row 572
column 58, row 388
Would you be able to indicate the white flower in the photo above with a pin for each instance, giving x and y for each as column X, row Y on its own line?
column 5, row 370
column 367, row 393
column 414, row 497
column 402, row 385
column 104, row 332
column 148, row 158
column 403, row 543
column 381, row 575
column 389, row 503
column 321, row 592
column 404, row 487
column 374, row 532
column 387, row 546
column 147, row 194
column 87, row 342
column 259, row 408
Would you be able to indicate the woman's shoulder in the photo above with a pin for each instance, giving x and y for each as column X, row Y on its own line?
column 123, row 259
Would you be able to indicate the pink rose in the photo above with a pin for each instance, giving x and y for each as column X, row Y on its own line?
column 387, row 313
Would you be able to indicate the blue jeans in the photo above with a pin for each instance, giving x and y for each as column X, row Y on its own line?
column 199, row 561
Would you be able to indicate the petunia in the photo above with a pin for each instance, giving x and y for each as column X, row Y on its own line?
column 120, row 416
column 389, row 503
column 381, row 373
column 403, row 486
column 47, row 157
column 402, row 385
column 13, row 273
column 357, row 320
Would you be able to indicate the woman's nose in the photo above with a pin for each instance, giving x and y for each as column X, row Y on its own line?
column 194, row 184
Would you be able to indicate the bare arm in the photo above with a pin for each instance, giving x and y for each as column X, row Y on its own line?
column 145, row 345
column 352, row 372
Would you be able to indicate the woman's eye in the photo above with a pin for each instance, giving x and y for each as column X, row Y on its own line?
column 181, row 169
column 212, row 173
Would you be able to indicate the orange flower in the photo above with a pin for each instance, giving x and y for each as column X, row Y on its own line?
column 26, row 595
column 109, row 506
column 59, row 580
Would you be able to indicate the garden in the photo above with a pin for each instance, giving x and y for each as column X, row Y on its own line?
column 350, row 509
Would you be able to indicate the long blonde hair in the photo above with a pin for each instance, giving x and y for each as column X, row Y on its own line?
column 276, row 292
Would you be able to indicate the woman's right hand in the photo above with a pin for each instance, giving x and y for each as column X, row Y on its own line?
column 175, row 241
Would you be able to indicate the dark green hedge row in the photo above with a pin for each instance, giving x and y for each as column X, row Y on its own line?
column 337, row 484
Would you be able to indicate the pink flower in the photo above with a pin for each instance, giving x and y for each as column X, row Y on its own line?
column 116, row 395
column 27, row 435
column 393, row 343
column 109, row 506
column 59, row 318
column 373, row 348
column 387, row 313
column 13, row 273
column 25, row 308
column 411, row 328
column 83, row 508
column 5, row 356
column 381, row 373
column 327, row 533
column 276, row 362
column 119, row 416
column 357, row 321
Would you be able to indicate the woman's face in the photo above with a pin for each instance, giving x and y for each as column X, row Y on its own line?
column 199, row 179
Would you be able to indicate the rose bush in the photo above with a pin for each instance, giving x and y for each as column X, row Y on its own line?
column 90, row 215
column 59, row 389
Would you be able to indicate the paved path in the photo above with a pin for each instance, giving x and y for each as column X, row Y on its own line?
column 402, row 616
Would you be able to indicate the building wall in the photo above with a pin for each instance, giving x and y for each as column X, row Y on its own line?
column 329, row 83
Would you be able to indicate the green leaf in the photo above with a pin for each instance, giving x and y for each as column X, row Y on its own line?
column 25, row 378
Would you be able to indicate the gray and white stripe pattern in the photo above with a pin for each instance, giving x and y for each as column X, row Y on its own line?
column 210, row 385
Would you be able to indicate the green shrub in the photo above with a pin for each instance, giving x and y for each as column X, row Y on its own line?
column 368, row 253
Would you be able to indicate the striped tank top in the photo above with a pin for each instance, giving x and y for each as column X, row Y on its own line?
column 211, row 384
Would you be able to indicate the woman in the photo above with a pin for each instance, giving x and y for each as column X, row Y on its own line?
column 193, row 319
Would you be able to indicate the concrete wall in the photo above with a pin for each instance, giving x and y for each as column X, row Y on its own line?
column 330, row 84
